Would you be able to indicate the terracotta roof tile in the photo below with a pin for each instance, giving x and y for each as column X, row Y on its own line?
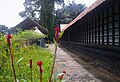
column 94, row 5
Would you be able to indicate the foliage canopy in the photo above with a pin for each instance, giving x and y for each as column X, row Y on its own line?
column 42, row 11
column 66, row 14
column 3, row 29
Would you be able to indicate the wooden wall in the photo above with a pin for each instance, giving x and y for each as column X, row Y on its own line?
column 97, row 36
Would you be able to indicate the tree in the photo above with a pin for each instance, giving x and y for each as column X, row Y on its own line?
column 66, row 14
column 3, row 29
column 42, row 11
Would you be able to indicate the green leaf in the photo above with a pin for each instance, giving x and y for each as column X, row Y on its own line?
column 61, row 34
column 13, row 44
column 23, row 80
column 59, row 74
column 54, row 41
column 18, row 80
column 35, row 80
column 3, row 55
column 19, row 60
column 4, row 40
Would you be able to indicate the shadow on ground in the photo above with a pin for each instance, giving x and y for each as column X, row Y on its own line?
column 95, row 70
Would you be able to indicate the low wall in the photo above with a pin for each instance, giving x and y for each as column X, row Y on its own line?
column 107, row 57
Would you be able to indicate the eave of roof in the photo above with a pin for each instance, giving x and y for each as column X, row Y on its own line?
column 94, row 5
column 29, row 23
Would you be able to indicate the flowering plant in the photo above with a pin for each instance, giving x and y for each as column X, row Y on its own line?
column 57, row 30
column 10, row 46
column 9, row 42
column 56, row 40
column 39, row 63
column 30, row 64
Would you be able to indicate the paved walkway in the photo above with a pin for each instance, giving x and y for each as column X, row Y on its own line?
column 75, row 71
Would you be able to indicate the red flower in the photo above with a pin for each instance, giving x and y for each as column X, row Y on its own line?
column 61, row 77
column 57, row 29
column 9, row 39
column 39, row 63
column 30, row 63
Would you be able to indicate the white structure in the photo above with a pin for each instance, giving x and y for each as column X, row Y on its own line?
column 38, row 31
column 63, row 26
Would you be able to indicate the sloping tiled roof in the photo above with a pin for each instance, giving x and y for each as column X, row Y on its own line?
column 28, row 24
column 94, row 5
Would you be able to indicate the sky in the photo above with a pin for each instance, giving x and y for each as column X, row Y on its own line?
column 9, row 10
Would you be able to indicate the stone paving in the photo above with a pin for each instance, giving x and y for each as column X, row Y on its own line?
column 75, row 71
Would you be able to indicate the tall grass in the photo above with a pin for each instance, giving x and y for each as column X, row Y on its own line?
column 21, row 62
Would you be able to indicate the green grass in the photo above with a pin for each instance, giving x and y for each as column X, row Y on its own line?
column 21, row 62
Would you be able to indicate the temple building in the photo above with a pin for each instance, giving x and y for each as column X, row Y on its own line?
column 95, row 34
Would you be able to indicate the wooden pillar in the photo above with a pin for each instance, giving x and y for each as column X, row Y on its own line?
column 98, row 28
column 113, row 26
column 87, row 32
column 92, row 30
column 107, row 27
column 68, row 36
column 95, row 30
column 119, row 24
column 102, row 27
column 83, row 27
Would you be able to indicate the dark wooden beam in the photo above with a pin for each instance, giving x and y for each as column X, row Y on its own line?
column 103, row 28
column 87, row 31
column 107, row 27
column 95, row 30
column 119, row 24
column 113, row 26
column 92, row 29
column 98, row 28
